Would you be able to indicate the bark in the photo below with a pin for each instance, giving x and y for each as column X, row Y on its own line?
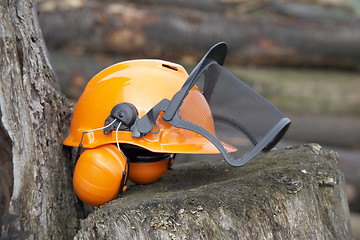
column 276, row 34
column 6, row 171
column 35, row 116
column 293, row 193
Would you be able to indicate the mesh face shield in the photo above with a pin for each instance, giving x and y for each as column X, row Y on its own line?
column 217, row 105
column 243, row 123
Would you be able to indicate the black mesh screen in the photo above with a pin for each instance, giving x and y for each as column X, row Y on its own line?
column 229, row 110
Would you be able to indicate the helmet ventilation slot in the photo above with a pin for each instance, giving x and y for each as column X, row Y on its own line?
column 170, row 67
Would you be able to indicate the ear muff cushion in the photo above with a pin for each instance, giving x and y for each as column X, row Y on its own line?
column 98, row 174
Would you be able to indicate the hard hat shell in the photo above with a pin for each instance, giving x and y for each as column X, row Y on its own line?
column 98, row 174
column 143, row 83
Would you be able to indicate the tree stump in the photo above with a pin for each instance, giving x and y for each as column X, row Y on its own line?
column 292, row 193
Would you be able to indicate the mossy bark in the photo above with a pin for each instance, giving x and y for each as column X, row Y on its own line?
column 293, row 193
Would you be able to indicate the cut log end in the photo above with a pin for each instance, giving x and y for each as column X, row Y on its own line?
column 290, row 193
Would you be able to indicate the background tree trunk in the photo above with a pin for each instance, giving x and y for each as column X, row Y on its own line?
column 6, row 171
column 294, row 193
column 36, row 117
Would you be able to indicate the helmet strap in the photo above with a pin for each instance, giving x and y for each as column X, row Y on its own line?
column 124, row 178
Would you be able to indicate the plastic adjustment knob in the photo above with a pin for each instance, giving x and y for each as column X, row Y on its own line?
column 125, row 112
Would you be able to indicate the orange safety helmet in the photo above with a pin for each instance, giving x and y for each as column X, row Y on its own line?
column 152, row 109
column 143, row 84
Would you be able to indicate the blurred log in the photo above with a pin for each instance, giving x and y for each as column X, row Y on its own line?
column 274, row 34
column 355, row 221
column 350, row 165
column 293, row 193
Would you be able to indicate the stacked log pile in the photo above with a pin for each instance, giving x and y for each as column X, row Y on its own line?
column 276, row 32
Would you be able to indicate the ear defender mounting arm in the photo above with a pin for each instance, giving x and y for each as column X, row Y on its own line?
column 147, row 122
column 127, row 115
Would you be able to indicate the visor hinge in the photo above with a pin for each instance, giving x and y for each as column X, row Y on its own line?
column 147, row 122
column 124, row 113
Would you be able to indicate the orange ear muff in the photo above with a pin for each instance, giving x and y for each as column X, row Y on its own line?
column 144, row 173
column 99, row 173
column 146, row 166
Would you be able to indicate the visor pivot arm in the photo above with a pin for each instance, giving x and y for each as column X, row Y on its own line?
column 147, row 122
